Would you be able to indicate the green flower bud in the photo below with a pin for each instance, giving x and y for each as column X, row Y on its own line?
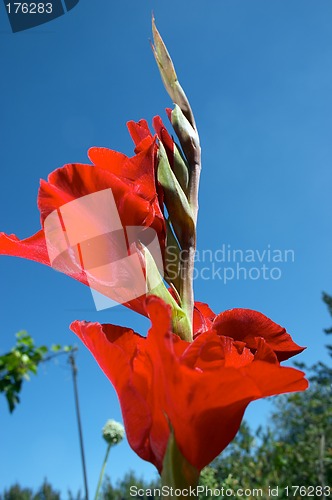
column 187, row 135
column 169, row 76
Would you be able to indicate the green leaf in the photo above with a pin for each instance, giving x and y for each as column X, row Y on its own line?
column 56, row 347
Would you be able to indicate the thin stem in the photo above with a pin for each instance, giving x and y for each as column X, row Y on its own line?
column 78, row 413
column 102, row 472
column 186, row 289
column 188, row 261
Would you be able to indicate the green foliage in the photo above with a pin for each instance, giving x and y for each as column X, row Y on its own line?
column 16, row 365
column 303, row 437
column 237, row 466
column 45, row 492
column 15, row 492
column 79, row 495
column 22, row 360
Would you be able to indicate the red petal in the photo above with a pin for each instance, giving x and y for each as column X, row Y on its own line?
column 114, row 349
column 138, row 131
column 128, row 360
column 35, row 248
column 32, row 248
column 246, row 325
column 111, row 161
column 203, row 318
column 165, row 138
column 169, row 113
column 74, row 181
column 216, row 419
column 272, row 379
column 139, row 169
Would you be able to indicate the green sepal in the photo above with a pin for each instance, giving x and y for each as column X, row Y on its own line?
column 177, row 471
column 176, row 202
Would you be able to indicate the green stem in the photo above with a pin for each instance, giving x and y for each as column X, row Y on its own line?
column 79, row 424
column 102, row 472
column 188, row 262
column 186, row 287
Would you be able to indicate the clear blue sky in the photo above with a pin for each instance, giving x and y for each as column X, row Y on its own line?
column 259, row 77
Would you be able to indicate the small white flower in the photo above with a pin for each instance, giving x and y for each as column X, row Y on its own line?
column 113, row 432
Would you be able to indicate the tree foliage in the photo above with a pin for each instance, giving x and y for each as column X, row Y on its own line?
column 45, row 492
column 22, row 360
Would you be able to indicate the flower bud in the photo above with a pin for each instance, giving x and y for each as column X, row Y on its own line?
column 169, row 76
column 187, row 135
column 175, row 157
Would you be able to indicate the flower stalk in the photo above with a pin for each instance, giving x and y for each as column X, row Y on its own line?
column 102, row 472
column 113, row 433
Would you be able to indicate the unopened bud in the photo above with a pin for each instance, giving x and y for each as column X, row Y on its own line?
column 169, row 76
column 187, row 135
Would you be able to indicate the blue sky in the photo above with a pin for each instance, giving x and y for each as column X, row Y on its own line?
column 259, row 77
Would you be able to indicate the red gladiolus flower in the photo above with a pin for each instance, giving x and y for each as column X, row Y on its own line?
column 133, row 184
column 201, row 388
